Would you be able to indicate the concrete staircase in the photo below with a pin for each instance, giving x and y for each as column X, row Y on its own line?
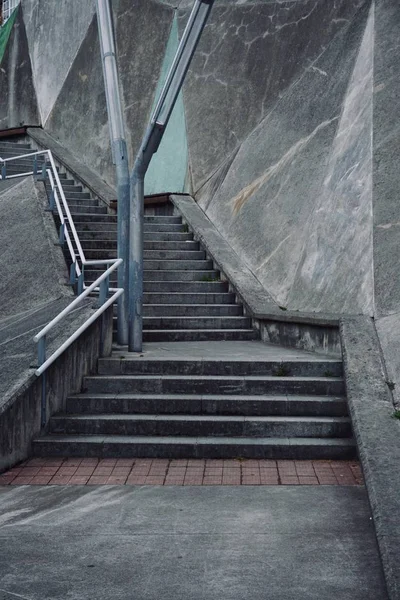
column 205, row 385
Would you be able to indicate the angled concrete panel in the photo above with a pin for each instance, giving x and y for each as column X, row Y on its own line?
column 79, row 117
column 336, row 269
column 18, row 105
column 250, row 53
column 55, row 31
column 386, row 172
column 271, row 189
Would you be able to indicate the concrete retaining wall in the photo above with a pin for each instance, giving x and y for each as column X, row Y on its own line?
column 20, row 414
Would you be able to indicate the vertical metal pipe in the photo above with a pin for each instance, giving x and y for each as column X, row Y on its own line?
column 120, row 158
column 136, row 258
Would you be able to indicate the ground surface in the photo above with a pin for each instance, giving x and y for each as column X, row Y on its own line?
column 146, row 471
column 188, row 543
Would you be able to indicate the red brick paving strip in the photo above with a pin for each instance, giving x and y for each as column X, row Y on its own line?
column 147, row 471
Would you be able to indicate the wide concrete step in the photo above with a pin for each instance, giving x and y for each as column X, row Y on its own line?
column 208, row 384
column 187, row 287
column 201, row 425
column 191, row 310
column 205, row 322
column 127, row 364
column 153, row 275
column 200, row 335
column 194, row 447
column 209, row 299
column 210, row 404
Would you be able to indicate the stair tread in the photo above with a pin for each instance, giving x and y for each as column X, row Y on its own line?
column 212, row 397
column 216, row 377
column 200, row 417
column 179, row 440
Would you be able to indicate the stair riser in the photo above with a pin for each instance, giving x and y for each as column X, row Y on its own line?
column 282, row 451
column 75, row 195
column 149, row 255
column 160, row 219
column 161, row 276
column 77, row 209
column 68, row 188
column 198, row 311
column 185, row 299
column 178, row 265
column 154, row 427
column 178, row 247
column 213, row 386
column 157, row 323
column 200, row 336
column 111, row 366
column 295, row 407
column 15, row 146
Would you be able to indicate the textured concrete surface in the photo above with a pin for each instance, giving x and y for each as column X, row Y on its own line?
column 49, row 24
column 250, row 55
column 267, row 203
column 32, row 273
column 179, row 543
column 378, row 437
column 18, row 103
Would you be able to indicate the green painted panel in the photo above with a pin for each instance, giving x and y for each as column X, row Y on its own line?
column 168, row 168
column 5, row 33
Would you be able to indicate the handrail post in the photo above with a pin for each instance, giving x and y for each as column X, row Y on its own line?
column 120, row 158
column 61, row 239
column 72, row 273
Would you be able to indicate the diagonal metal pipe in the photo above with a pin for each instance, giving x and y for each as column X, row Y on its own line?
column 150, row 143
column 120, row 158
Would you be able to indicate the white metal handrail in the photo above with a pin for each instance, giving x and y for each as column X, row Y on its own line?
column 68, row 234
column 57, row 197
column 101, row 283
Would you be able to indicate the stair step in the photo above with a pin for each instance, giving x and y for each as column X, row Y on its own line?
column 177, row 265
column 8, row 145
column 84, row 207
column 159, row 276
column 154, row 298
column 125, row 364
column 77, row 195
column 68, row 187
column 181, row 322
column 200, row 335
column 202, row 425
column 208, row 384
column 171, row 219
column 191, row 310
column 194, row 447
column 111, row 244
column 190, row 287
column 210, row 404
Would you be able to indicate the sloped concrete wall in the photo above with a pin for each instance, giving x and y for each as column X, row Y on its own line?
column 18, row 103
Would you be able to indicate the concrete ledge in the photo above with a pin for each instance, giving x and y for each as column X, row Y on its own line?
column 20, row 411
column 76, row 167
column 377, row 435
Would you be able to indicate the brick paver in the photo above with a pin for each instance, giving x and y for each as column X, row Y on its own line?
column 147, row 471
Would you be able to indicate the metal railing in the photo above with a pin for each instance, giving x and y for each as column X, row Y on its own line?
column 68, row 235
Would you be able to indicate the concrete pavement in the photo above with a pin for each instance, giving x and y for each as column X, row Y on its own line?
column 193, row 543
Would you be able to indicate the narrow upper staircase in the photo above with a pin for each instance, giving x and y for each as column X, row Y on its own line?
column 205, row 385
